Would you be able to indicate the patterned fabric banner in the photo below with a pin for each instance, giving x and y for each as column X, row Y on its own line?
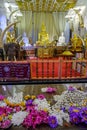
column 14, row 70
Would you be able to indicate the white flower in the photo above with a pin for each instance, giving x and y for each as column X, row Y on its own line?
column 60, row 120
column 66, row 117
column 60, row 116
column 42, row 104
column 43, row 89
column 2, row 104
column 17, row 98
column 68, row 97
column 18, row 117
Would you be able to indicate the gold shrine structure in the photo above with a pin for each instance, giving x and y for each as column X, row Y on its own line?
column 45, row 49
column 76, row 43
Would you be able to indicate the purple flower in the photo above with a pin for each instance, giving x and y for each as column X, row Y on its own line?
column 83, row 111
column 84, row 119
column 29, row 102
column 41, row 96
column 71, row 88
column 83, row 115
column 63, row 109
column 75, row 115
column 75, row 119
column 52, row 121
column 74, row 110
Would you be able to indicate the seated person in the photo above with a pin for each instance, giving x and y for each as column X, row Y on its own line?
column 61, row 41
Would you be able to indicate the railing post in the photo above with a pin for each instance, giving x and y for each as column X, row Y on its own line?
column 60, row 68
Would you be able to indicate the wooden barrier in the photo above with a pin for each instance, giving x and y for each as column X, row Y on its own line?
column 38, row 69
column 58, row 69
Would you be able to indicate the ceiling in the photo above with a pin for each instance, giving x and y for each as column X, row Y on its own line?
column 40, row 5
column 45, row 5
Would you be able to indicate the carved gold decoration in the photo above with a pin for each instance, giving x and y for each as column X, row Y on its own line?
column 45, row 5
column 3, row 33
column 43, row 41
column 76, row 43
column 8, row 37
column 43, row 36
column 45, row 52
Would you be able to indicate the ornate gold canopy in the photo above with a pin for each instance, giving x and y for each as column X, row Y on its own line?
column 45, row 5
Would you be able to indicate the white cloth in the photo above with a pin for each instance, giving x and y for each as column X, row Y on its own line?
column 76, row 24
column 85, row 22
column 67, row 32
